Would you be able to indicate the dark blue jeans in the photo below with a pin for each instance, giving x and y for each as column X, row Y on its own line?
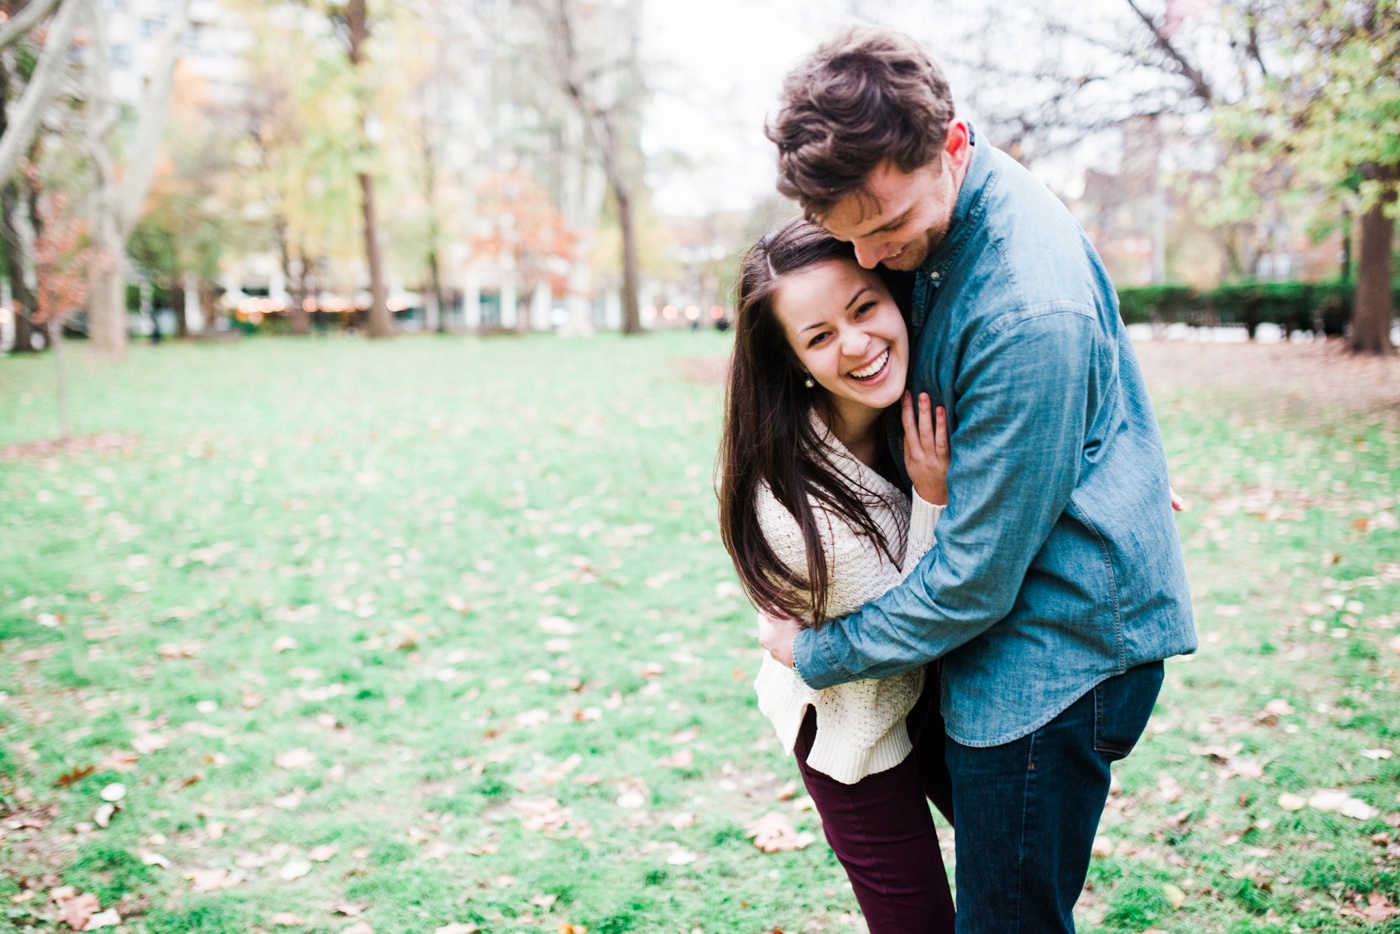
column 1027, row 810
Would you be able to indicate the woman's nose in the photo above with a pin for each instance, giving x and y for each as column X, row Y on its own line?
column 854, row 341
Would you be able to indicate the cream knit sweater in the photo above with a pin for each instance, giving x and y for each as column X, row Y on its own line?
column 860, row 726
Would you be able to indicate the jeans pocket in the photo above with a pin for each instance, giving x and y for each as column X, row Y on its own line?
column 1122, row 705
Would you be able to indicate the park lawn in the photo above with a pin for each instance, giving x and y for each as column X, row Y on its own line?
column 440, row 631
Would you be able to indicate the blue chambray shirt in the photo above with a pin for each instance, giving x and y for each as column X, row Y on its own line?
column 1058, row 563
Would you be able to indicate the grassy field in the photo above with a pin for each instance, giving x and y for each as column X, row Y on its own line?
column 438, row 634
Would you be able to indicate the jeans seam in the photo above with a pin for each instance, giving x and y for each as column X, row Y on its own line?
column 1021, row 847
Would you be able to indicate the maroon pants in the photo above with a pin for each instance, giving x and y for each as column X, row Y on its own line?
column 881, row 829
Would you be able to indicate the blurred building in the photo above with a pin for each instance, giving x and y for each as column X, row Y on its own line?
column 211, row 51
column 1147, row 228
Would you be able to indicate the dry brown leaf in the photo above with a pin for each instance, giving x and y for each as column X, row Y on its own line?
column 211, row 880
column 147, row 743
column 74, row 775
column 774, row 833
column 77, row 910
column 1378, row 908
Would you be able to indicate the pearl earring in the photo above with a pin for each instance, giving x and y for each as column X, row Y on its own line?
column 808, row 382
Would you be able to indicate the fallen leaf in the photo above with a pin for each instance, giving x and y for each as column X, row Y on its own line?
column 457, row 927
column 1378, row 908
column 294, row 759
column 285, row 919
column 283, row 644
column 322, row 853
column 119, row 760
column 154, row 859
column 74, row 775
column 545, row 902
column 681, row 858
column 456, row 603
column 294, row 869
column 359, row 927
column 211, row 880
column 103, row 919
column 774, row 833
column 1376, row 753
column 682, row 821
column 113, row 792
column 1328, row 799
column 148, row 743
column 1167, row 788
column 1358, row 809
column 103, row 815
column 77, row 910
column 557, row 626
column 1102, row 847
column 1292, row 802
column 1174, row 895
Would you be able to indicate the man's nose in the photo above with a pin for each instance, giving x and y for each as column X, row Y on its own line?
column 869, row 253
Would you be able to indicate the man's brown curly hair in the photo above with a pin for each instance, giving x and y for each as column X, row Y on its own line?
column 867, row 96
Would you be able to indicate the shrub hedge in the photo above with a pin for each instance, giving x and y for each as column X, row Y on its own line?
column 1293, row 306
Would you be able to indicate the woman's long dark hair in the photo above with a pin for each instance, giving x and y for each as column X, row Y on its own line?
column 769, row 438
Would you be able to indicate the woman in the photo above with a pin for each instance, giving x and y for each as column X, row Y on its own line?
column 812, row 515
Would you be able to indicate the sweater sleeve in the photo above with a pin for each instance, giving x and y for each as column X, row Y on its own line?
column 922, row 519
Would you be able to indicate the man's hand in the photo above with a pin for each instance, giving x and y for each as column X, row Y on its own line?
column 776, row 636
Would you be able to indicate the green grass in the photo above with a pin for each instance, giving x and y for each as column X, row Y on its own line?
column 349, row 548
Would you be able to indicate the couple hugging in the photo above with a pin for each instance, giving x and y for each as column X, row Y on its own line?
column 943, row 486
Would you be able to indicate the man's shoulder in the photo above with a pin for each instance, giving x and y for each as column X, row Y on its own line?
column 1028, row 254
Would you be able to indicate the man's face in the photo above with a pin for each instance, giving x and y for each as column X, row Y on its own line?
column 899, row 217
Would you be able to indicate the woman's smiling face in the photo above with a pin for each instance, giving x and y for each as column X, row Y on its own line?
column 846, row 330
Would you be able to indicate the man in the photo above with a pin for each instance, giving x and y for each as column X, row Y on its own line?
column 1057, row 585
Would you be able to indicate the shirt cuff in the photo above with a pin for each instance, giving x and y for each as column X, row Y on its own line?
column 813, row 662
column 922, row 518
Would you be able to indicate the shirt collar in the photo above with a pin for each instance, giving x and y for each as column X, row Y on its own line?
column 934, row 270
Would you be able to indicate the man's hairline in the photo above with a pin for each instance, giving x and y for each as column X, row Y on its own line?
column 863, row 193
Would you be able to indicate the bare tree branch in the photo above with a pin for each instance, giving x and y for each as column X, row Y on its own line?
column 1199, row 86
column 26, row 19
column 42, row 85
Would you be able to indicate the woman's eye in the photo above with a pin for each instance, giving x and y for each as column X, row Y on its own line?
column 864, row 308
column 817, row 340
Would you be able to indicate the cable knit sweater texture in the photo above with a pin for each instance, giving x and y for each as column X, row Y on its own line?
column 860, row 726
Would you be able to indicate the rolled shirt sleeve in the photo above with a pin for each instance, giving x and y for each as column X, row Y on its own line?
column 1021, row 404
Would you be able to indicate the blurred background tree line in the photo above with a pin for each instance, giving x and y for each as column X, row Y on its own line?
column 226, row 165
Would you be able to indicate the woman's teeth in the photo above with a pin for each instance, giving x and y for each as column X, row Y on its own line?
column 874, row 368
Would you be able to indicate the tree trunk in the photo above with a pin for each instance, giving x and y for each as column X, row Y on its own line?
column 177, row 305
column 17, row 260
column 1370, row 323
column 435, row 287
column 631, row 313
column 120, row 194
column 301, row 324
column 381, row 323
column 622, row 195
column 55, row 327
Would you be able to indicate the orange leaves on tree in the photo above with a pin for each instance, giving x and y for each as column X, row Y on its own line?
column 63, row 259
column 525, row 226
